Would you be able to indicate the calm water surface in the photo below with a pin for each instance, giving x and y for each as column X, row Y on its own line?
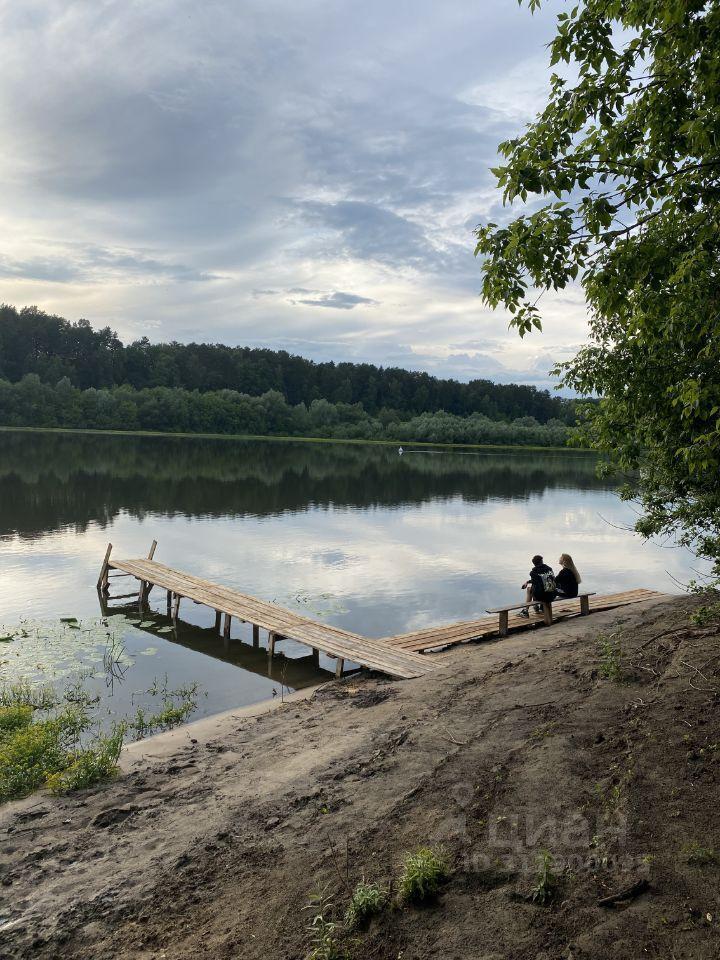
column 357, row 536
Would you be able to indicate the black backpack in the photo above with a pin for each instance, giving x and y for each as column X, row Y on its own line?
column 544, row 586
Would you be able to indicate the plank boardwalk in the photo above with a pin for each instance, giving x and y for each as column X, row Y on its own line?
column 433, row 638
column 374, row 654
column 397, row 656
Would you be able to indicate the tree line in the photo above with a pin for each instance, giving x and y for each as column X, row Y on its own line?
column 34, row 342
column 33, row 402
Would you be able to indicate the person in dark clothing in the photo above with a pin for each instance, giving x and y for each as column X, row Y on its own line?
column 568, row 579
column 540, row 587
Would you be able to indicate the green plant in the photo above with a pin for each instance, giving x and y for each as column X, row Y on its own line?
column 28, row 756
column 92, row 765
column 699, row 856
column 705, row 615
column 177, row 706
column 423, row 872
column 611, row 658
column 23, row 693
column 323, row 938
column 619, row 170
column 367, row 900
column 543, row 731
column 547, row 882
column 14, row 718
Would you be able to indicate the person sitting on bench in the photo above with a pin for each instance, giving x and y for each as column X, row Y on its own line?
column 568, row 578
column 540, row 587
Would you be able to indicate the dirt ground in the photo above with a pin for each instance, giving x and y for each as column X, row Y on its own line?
column 213, row 840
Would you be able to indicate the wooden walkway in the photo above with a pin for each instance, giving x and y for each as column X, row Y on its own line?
column 434, row 638
column 280, row 623
column 397, row 656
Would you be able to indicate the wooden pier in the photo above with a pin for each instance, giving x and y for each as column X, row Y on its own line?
column 434, row 638
column 401, row 656
column 278, row 622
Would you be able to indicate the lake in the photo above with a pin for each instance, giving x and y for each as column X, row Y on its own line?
column 355, row 535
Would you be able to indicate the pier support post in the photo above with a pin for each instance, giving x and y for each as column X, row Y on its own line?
column 226, row 628
column 153, row 547
column 339, row 666
column 176, row 608
column 102, row 583
column 547, row 613
column 503, row 625
column 256, row 635
column 271, row 643
column 169, row 601
column 218, row 618
column 584, row 606
column 316, row 656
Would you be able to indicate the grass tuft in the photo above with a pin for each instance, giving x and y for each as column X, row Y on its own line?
column 611, row 665
column 324, row 944
column 368, row 899
column 548, row 882
column 96, row 763
column 423, row 873
column 699, row 856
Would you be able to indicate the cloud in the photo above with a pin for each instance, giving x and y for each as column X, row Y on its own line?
column 337, row 300
column 200, row 170
column 82, row 264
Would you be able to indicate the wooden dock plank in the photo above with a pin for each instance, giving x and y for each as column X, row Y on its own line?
column 375, row 654
column 401, row 655
column 431, row 638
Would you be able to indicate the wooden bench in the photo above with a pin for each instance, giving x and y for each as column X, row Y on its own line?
column 504, row 612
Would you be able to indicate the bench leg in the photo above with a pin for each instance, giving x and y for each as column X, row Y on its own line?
column 584, row 606
column 503, row 626
column 547, row 613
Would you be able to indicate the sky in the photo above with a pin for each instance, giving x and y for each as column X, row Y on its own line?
column 302, row 176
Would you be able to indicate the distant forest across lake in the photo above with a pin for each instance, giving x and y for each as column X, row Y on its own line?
column 57, row 373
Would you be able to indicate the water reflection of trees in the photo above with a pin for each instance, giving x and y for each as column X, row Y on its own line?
column 49, row 481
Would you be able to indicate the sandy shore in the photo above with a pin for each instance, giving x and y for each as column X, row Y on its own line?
column 214, row 837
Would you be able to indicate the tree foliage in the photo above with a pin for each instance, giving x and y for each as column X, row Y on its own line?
column 32, row 403
column 32, row 342
column 621, row 176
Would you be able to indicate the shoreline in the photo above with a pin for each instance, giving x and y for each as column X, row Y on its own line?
column 213, row 838
column 200, row 731
column 530, row 448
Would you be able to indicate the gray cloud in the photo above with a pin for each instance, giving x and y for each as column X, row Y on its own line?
column 370, row 232
column 82, row 264
column 268, row 147
column 337, row 300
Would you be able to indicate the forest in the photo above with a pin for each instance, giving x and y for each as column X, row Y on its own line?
column 55, row 349
column 33, row 403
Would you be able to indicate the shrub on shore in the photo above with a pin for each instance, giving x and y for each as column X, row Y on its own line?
column 423, row 873
column 46, row 750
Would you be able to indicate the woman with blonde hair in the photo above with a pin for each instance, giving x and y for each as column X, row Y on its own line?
column 568, row 578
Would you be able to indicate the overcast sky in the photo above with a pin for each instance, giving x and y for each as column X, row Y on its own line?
column 302, row 176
